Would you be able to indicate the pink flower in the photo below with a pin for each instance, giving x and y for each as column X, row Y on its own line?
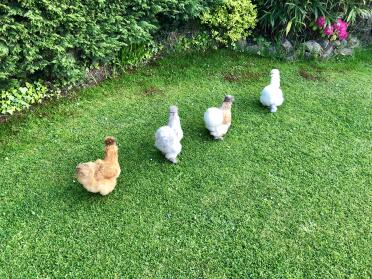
column 328, row 30
column 320, row 21
column 340, row 25
column 342, row 35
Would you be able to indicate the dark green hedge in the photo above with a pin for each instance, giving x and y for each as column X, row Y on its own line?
column 58, row 40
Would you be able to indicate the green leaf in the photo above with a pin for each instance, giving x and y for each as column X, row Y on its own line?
column 288, row 28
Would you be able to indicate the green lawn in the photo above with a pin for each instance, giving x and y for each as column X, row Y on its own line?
column 285, row 195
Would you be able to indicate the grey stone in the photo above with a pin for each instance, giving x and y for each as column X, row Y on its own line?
column 346, row 51
column 242, row 43
column 313, row 47
column 172, row 36
column 324, row 43
column 364, row 29
column 291, row 58
column 328, row 52
column 308, row 55
column 287, row 45
column 353, row 42
column 172, row 39
column 253, row 48
column 271, row 50
column 337, row 43
column 344, row 43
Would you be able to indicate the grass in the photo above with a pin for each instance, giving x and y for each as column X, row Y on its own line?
column 285, row 195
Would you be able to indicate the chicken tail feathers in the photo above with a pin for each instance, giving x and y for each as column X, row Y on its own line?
column 213, row 117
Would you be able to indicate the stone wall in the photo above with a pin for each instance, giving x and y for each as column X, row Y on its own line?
column 364, row 29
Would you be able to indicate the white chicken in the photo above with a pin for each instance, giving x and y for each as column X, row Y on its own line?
column 168, row 138
column 218, row 120
column 272, row 95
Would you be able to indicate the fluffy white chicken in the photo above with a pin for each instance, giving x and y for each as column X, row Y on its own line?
column 168, row 138
column 218, row 120
column 272, row 95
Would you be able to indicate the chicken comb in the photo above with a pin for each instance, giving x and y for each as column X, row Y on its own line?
column 110, row 140
column 229, row 98
column 173, row 109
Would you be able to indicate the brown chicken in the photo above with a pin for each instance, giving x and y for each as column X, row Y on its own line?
column 100, row 176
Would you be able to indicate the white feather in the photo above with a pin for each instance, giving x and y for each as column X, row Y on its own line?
column 175, row 124
column 272, row 95
column 167, row 142
column 168, row 138
column 213, row 120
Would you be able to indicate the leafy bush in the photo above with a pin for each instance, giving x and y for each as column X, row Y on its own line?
column 281, row 17
column 200, row 41
column 17, row 99
column 58, row 40
column 134, row 54
column 231, row 20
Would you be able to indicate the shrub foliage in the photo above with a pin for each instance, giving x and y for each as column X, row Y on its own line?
column 59, row 40
column 17, row 99
column 231, row 20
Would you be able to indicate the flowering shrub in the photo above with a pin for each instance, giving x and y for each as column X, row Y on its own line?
column 320, row 21
column 291, row 18
column 328, row 30
column 333, row 31
column 340, row 27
